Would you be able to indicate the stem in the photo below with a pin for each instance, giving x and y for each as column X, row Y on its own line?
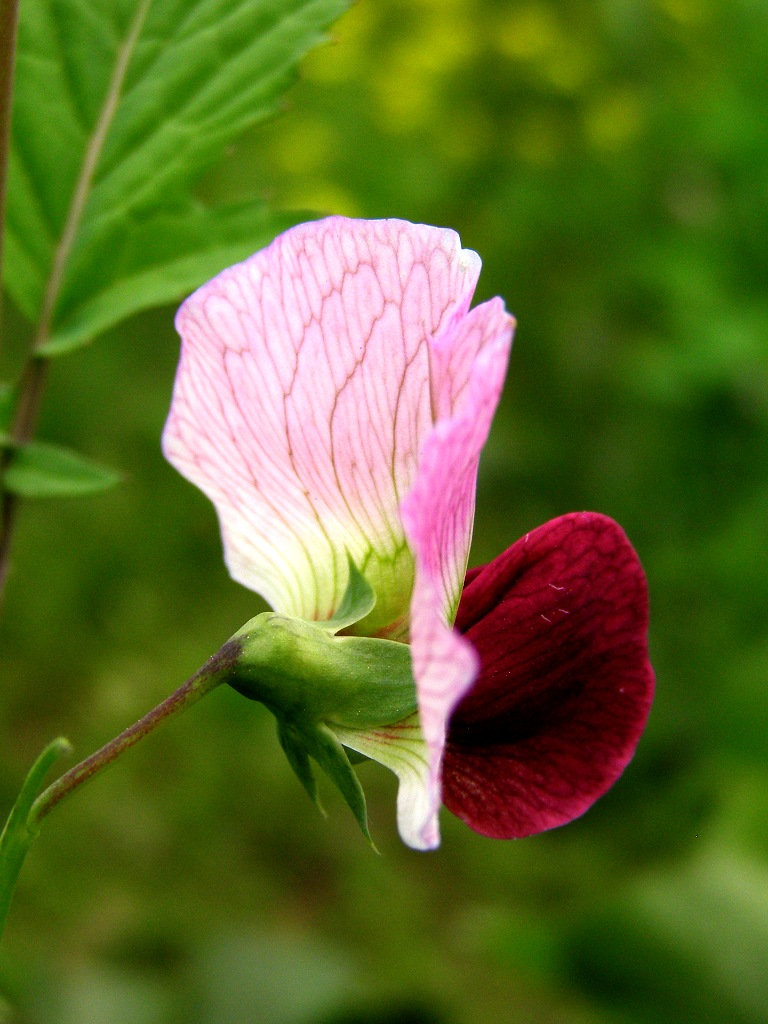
column 207, row 678
column 9, row 16
column 8, row 509
column 22, row 431
column 29, row 810
column 35, row 372
column 9, row 13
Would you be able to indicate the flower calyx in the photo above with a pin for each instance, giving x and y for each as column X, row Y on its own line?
column 318, row 683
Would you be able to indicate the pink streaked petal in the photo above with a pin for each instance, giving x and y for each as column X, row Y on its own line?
column 402, row 749
column 444, row 667
column 303, row 399
column 560, row 624
column 438, row 515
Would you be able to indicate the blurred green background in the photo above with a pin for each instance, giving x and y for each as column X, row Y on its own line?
column 608, row 161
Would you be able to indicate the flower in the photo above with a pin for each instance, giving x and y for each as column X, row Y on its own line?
column 333, row 396
column 560, row 622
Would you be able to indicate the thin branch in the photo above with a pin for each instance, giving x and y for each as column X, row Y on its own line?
column 30, row 809
column 206, row 679
column 87, row 173
column 36, row 370
column 9, row 15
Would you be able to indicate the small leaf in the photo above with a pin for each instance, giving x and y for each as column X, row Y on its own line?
column 48, row 471
column 22, row 825
column 358, row 600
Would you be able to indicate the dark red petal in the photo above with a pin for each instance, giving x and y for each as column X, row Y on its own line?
column 560, row 621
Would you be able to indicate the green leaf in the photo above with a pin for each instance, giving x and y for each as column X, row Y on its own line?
column 47, row 471
column 120, row 105
column 21, row 829
column 168, row 258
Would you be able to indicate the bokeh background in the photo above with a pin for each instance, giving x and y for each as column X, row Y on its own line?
column 609, row 161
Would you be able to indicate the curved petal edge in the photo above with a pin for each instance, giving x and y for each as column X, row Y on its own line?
column 559, row 622
column 438, row 514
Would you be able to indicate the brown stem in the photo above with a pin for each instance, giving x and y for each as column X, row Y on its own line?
column 9, row 14
column 35, row 372
column 8, row 508
column 211, row 675
column 22, row 431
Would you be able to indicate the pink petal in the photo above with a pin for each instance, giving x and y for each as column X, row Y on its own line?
column 303, row 399
column 560, row 624
column 438, row 515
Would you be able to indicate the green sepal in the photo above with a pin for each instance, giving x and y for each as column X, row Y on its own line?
column 301, row 671
column 321, row 744
column 333, row 759
column 317, row 684
column 298, row 758
column 38, row 470
column 357, row 602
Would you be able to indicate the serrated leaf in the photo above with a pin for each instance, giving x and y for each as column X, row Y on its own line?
column 48, row 471
column 169, row 257
column 120, row 105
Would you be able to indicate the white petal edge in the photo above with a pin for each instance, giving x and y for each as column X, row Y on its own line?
column 302, row 400
column 437, row 518
column 401, row 748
